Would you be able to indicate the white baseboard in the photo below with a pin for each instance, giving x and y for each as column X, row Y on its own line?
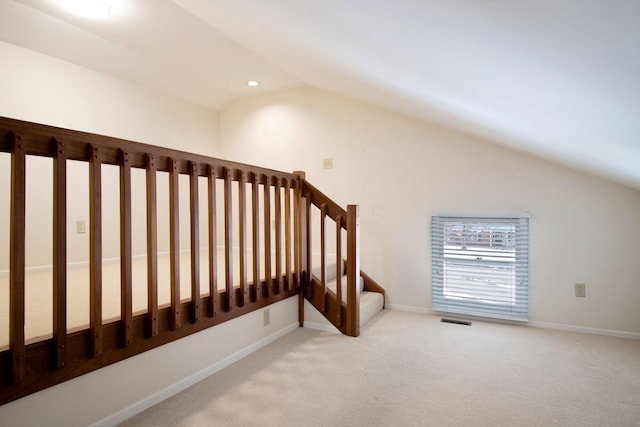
column 321, row 327
column 586, row 330
column 410, row 308
column 192, row 379
column 535, row 324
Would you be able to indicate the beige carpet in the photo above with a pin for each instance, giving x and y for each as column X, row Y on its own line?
column 409, row 369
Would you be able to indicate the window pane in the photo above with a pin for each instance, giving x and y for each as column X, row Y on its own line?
column 479, row 266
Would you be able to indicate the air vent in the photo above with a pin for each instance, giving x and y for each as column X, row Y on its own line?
column 456, row 321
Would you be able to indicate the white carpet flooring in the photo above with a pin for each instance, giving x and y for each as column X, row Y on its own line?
column 410, row 369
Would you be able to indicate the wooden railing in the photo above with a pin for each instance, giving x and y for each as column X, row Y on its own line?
column 344, row 316
column 259, row 218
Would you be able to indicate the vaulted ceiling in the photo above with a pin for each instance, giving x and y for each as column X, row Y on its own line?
column 559, row 79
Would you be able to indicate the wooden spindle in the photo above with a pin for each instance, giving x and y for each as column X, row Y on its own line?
column 267, row 236
column 194, row 198
column 213, row 244
column 174, row 243
column 17, row 258
column 287, row 234
column 339, row 269
column 59, row 253
column 300, row 224
column 126, row 254
column 278, row 241
column 152, row 246
column 307, row 246
column 323, row 255
column 95, row 250
column 255, row 217
column 228, row 239
column 353, row 270
column 297, row 248
column 242, row 236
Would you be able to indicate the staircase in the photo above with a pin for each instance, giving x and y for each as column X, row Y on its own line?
column 372, row 297
column 343, row 294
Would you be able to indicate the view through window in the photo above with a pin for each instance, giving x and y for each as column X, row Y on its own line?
column 480, row 266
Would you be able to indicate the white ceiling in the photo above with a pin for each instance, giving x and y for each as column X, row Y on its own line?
column 560, row 79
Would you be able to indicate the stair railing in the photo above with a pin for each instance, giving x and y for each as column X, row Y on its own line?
column 344, row 316
column 273, row 211
column 30, row 367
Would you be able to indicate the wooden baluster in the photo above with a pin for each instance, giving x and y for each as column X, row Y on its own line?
column 307, row 246
column 302, row 266
column 59, row 254
column 95, row 250
column 195, row 241
column 278, row 219
column 255, row 217
column 267, row 236
column 296, row 233
column 213, row 244
column 152, row 247
column 323, row 255
column 228, row 239
column 17, row 259
column 287, row 234
column 174, row 243
column 339, row 269
column 300, row 241
column 126, row 255
column 242, row 236
column 353, row 270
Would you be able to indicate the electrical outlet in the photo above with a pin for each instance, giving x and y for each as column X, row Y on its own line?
column 81, row 227
column 327, row 163
column 581, row 290
column 266, row 317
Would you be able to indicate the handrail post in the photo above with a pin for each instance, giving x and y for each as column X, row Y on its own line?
column 353, row 270
column 17, row 259
column 300, row 248
column 59, row 254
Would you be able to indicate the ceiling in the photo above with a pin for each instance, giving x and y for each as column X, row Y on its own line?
column 559, row 79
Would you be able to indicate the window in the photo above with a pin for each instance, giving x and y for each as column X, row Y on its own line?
column 480, row 266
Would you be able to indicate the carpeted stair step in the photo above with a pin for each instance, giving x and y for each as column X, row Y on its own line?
column 371, row 303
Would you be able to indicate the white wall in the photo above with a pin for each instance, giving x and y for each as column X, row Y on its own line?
column 583, row 228
column 38, row 88
column 46, row 90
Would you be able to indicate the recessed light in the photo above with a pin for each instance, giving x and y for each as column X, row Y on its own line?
column 253, row 83
column 87, row 8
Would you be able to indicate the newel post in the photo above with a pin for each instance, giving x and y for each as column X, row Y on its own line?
column 353, row 270
column 301, row 243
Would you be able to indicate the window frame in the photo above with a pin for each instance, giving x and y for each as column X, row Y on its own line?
column 518, row 310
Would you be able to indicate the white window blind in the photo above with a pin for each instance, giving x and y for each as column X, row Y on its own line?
column 480, row 266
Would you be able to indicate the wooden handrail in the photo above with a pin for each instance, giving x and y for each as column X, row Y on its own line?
column 328, row 303
column 26, row 368
column 284, row 198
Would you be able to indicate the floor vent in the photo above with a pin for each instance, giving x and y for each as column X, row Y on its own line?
column 455, row 321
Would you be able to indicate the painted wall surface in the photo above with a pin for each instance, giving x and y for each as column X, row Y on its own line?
column 399, row 170
column 46, row 90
